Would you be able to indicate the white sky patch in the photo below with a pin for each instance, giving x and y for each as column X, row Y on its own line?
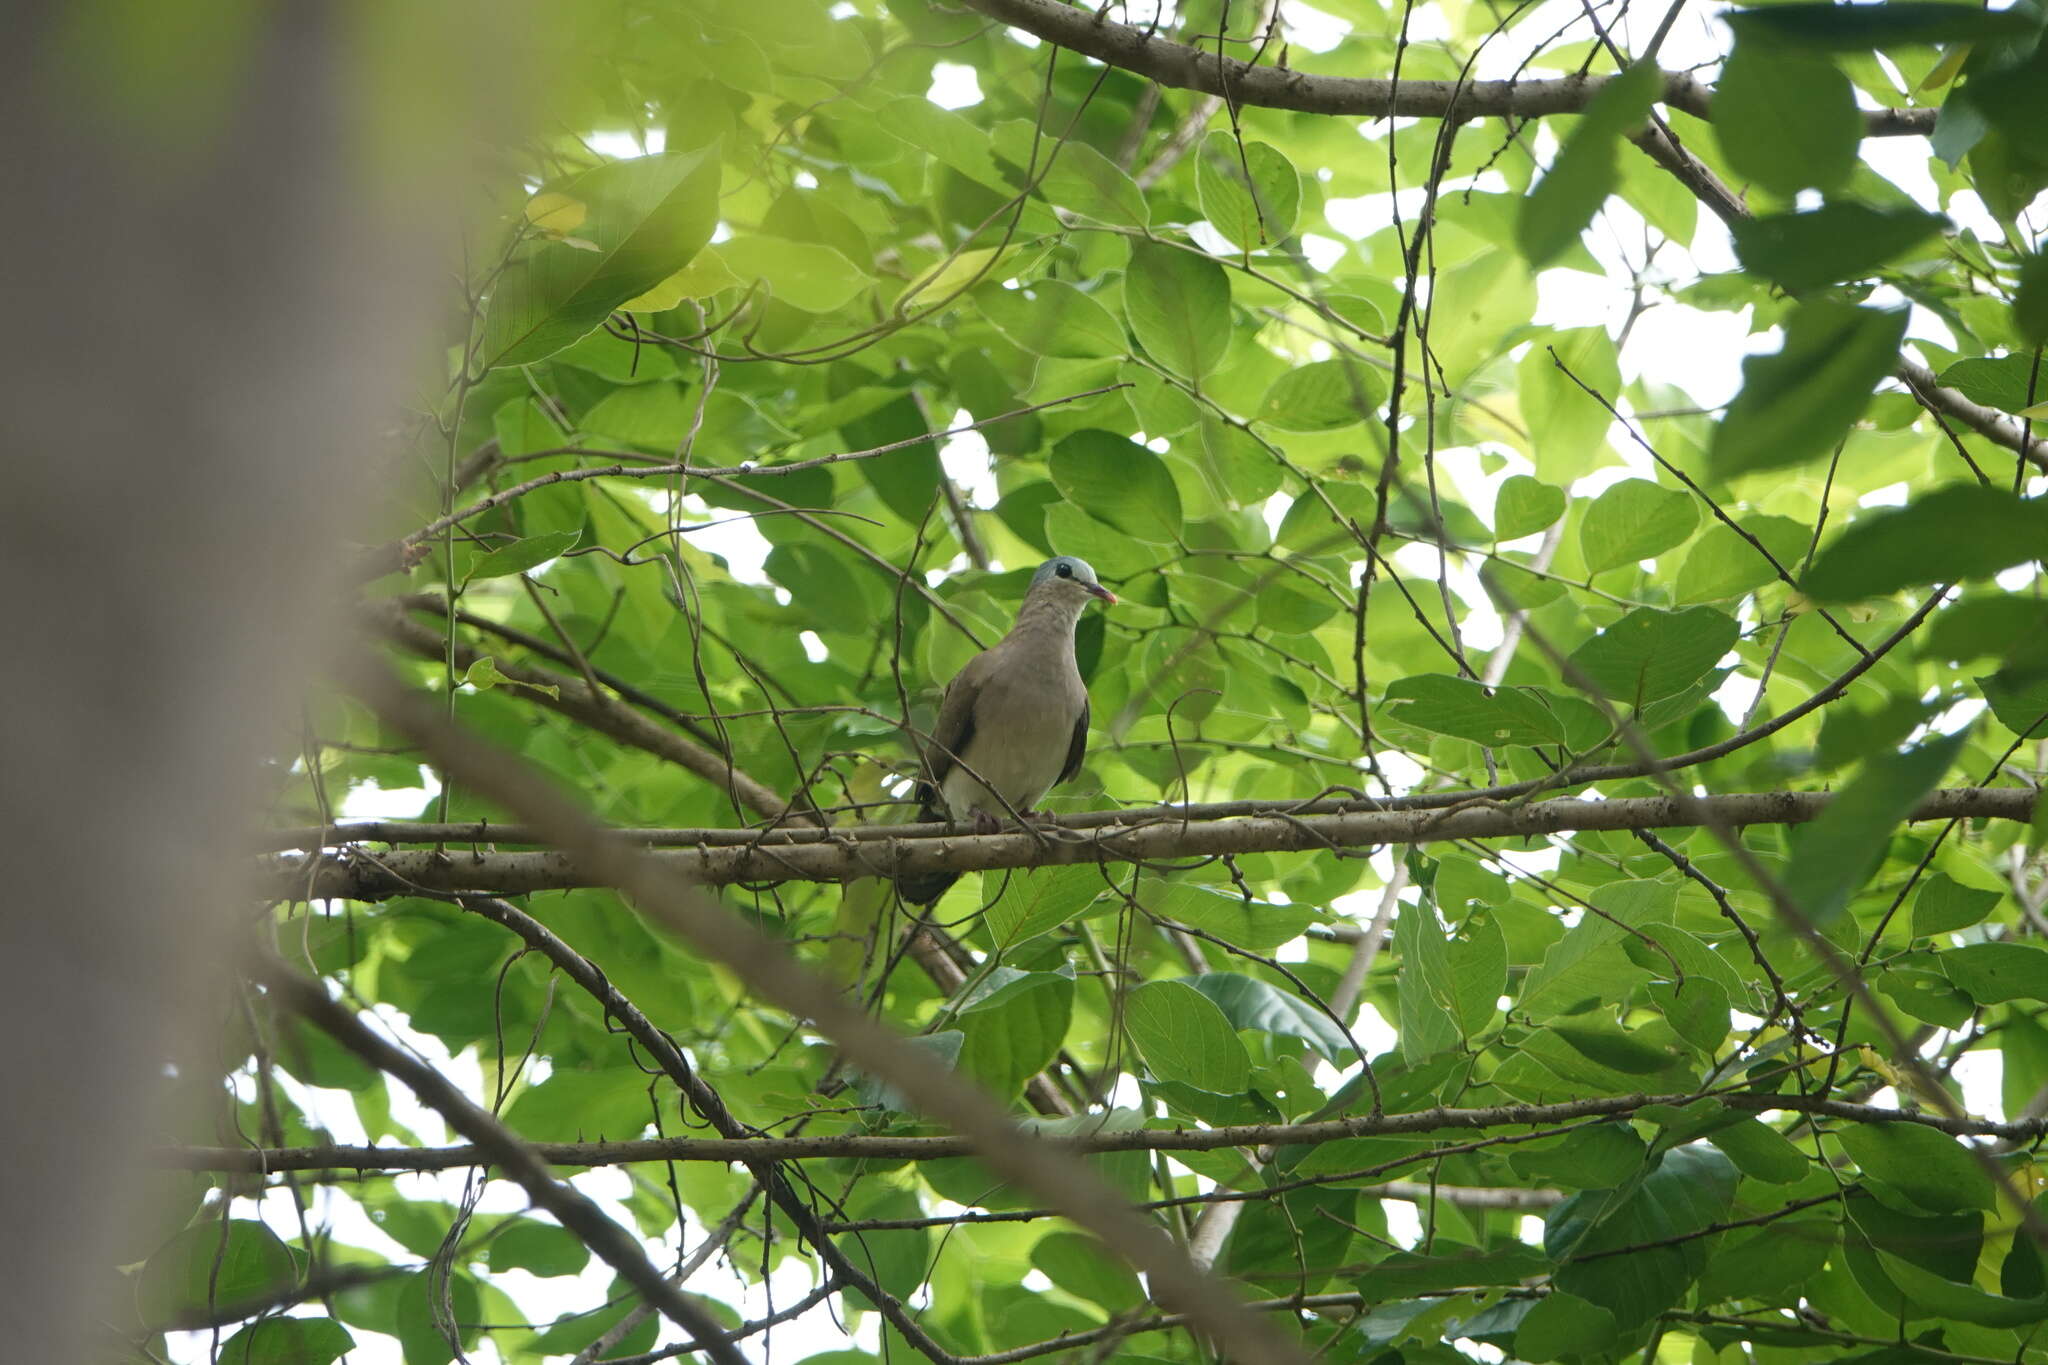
column 368, row 801
column 1323, row 252
column 966, row 461
column 1311, row 28
column 620, row 144
column 1891, row 495
column 954, row 86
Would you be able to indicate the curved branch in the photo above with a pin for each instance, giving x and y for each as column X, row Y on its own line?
column 724, row 857
column 1188, row 68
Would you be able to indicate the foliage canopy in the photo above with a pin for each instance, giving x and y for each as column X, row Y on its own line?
column 1417, row 450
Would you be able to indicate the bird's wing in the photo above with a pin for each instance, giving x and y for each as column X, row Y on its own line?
column 1077, row 747
column 954, row 727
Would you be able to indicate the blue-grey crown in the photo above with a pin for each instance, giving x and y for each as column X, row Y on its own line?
column 1076, row 569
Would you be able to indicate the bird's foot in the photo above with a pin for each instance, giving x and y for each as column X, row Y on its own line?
column 985, row 823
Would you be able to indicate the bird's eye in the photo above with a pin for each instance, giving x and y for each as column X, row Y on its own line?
column 1064, row 571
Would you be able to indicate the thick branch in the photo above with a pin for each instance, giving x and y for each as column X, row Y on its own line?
column 1273, row 87
column 723, row 857
column 892, row 1147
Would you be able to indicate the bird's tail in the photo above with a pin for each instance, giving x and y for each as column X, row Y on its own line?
column 922, row 888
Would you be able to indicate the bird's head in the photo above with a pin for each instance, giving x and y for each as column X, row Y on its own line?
column 1071, row 579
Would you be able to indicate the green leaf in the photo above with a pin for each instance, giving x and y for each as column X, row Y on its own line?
column 1118, row 481
column 1836, row 854
column 1561, row 1326
column 211, row 1264
column 1769, row 1261
column 1178, row 304
column 1015, row 1024
column 483, row 675
column 1561, row 204
column 1249, row 1003
column 1992, row 973
column 1184, row 1037
column 1085, row 1268
column 1427, row 1027
column 646, row 216
column 1525, row 506
column 1634, row 520
column 1649, row 654
column 1799, row 401
column 1609, row 1047
column 1786, row 120
column 1839, row 241
column 1762, row 1152
column 521, row 555
column 1047, row 317
column 1021, row 905
column 537, row 1248
column 1255, row 213
column 2008, row 382
column 1861, row 27
column 288, row 1341
column 2030, row 300
column 1322, row 396
column 1926, row 1165
column 1936, row 1297
column 1944, row 905
column 1089, row 183
column 1407, row 1272
column 1459, row 706
column 1691, row 1188
column 805, row 275
column 1722, row 564
column 1966, row 530
column 1256, row 925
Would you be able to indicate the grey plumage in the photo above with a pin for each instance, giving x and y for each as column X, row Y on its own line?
column 1014, row 722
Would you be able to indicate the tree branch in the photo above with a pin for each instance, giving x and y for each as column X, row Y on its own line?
column 495, row 1144
column 893, row 1147
column 1189, row 68
column 725, row 857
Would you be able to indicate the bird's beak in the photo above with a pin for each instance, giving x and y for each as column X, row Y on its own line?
column 1104, row 593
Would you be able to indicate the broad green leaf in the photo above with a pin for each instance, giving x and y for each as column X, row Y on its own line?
column 1221, row 911
column 1722, row 564
column 2020, row 703
column 1924, row 1164
column 1691, row 1188
column 1769, row 1261
column 1178, row 304
column 1014, row 1027
column 1762, row 1152
column 1936, row 1297
column 1427, row 1026
column 1928, row 996
column 288, row 1341
column 1840, row 241
column 1649, row 654
column 1021, row 905
column 1526, row 506
column 2008, row 382
column 1599, row 1157
column 1944, row 905
column 941, row 1049
column 1249, row 1003
column 1564, row 201
column 906, row 478
column 1786, row 120
column 1963, row 531
column 1836, row 854
column 521, row 555
column 1184, row 1037
column 538, row 1248
column 1089, row 183
column 1459, row 706
column 1798, row 402
column 1252, row 214
column 580, row 1106
column 1563, row 1326
column 1118, row 481
column 646, row 216
column 1323, row 396
column 806, row 275
column 1409, row 1272
column 1992, row 973
column 1047, row 317
column 948, row 276
column 1633, row 520
column 1084, row 1267
column 210, row 1263
column 1567, row 426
